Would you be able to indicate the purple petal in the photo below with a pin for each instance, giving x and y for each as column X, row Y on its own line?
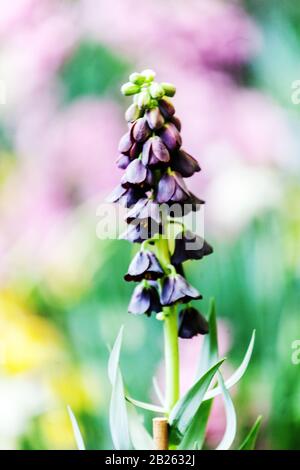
column 166, row 107
column 123, row 161
column 116, row 194
column 181, row 192
column 192, row 323
column 136, row 172
column 132, row 234
column 140, row 130
column 154, row 118
column 131, row 197
column 137, row 210
column 166, row 189
column 185, row 288
column 135, row 150
column 146, row 151
column 167, row 290
column 185, row 164
column 140, row 300
column 138, row 266
column 176, row 121
column 155, row 300
column 154, row 263
column 160, row 150
column 150, row 180
column 170, row 136
column 125, row 143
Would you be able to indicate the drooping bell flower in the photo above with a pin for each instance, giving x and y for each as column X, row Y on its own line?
column 184, row 164
column 154, row 118
column 155, row 153
column 126, row 196
column 123, row 161
column 139, row 231
column 140, row 131
column 137, row 174
column 145, row 208
column 144, row 265
column 175, row 288
column 167, row 108
column 170, row 136
column 191, row 323
column 128, row 146
column 144, row 300
column 189, row 246
column 171, row 188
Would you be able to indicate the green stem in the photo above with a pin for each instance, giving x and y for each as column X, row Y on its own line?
column 170, row 336
column 171, row 357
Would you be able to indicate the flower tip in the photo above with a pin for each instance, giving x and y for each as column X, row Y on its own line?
column 148, row 74
column 137, row 78
column 156, row 91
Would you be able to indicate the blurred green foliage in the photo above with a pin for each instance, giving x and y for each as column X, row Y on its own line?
column 92, row 69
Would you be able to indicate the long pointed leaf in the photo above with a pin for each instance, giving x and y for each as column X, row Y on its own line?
column 237, row 375
column 145, row 406
column 230, row 430
column 118, row 418
column 250, row 440
column 183, row 412
column 195, row 434
column 114, row 357
column 141, row 439
column 76, row 430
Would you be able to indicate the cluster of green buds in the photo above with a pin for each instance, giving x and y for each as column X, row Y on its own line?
column 147, row 92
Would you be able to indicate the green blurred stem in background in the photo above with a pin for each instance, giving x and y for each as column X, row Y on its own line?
column 170, row 336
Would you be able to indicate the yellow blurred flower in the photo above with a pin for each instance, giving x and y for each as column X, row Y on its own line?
column 77, row 388
column 27, row 341
column 56, row 428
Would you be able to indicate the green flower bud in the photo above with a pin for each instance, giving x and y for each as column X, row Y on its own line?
column 169, row 89
column 132, row 113
column 137, row 78
column 156, row 90
column 148, row 74
column 144, row 99
column 129, row 89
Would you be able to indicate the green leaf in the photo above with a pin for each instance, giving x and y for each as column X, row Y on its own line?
column 76, row 430
column 114, row 357
column 118, row 418
column 209, row 352
column 195, row 434
column 237, row 375
column 145, row 406
column 250, row 440
column 230, row 430
column 185, row 409
column 140, row 438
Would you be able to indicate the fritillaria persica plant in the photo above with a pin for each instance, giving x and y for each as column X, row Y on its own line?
column 154, row 192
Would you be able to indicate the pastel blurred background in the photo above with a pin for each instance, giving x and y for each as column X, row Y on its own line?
column 62, row 294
